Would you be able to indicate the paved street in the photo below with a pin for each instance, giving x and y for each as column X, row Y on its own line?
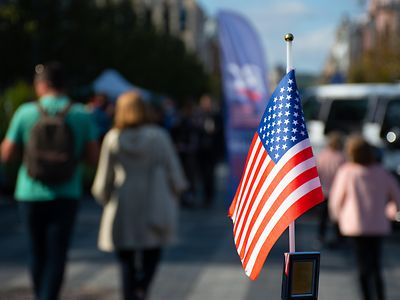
column 202, row 266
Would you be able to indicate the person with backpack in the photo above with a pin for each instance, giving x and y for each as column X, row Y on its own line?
column 53, row 136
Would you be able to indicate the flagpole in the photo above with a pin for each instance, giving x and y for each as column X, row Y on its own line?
column 289, row 39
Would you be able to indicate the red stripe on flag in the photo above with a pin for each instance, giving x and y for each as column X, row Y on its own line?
column 247, row 174
column 242, row 220
column 233, row 204
column 295, row 160
column 246, row 197
column 297, row 209
column 293, row 185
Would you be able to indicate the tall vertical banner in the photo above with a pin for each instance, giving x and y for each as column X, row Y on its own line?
column 245, row 89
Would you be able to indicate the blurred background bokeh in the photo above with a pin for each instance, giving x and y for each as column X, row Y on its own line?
column 169, row 51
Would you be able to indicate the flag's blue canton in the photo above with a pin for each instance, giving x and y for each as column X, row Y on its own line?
column 282, row 125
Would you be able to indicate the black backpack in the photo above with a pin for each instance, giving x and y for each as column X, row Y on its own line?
column 49, row 153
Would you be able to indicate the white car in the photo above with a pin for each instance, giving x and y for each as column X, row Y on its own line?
column 370, row 109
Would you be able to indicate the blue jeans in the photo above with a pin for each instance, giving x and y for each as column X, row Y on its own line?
column 49, row 228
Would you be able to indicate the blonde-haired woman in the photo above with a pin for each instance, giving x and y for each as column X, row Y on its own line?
column 138, row 180
column 359, row 199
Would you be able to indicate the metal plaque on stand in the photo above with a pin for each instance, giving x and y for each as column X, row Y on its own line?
column 300, row 277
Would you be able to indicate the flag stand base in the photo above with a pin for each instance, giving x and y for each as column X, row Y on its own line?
column 300, row 277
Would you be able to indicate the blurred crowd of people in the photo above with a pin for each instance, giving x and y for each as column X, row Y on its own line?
column 196, row 129
column 147, row 162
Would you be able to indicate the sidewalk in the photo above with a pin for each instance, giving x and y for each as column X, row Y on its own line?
column 202, row 266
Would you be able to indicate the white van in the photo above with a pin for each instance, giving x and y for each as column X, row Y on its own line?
column 370, row 109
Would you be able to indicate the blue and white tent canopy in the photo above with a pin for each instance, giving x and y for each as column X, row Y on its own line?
column 113, row 84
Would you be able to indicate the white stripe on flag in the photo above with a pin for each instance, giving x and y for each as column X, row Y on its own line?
column 248, row 201
column 248, row 167
column 294, row 196
column 274, row 172
column 294, row 173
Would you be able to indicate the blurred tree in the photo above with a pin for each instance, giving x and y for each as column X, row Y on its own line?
column 16, row 30
column 380, row 64
column 11, row 99
column 88, row 38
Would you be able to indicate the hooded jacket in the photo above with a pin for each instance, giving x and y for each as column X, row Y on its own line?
column 138, row 179
column 359, row 199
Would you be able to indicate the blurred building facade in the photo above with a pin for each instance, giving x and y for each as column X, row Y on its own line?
column 338, row 61
column 355, row 37
column 184, row 19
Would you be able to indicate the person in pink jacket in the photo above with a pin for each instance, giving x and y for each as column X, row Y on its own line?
column 359, row 198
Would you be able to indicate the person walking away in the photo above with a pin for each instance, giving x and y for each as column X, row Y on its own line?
column 210, row 146
column 53, row 136
column 360, row 194
column 138, row 180
column 101, row 110
column 328, row 162
column 185, row 137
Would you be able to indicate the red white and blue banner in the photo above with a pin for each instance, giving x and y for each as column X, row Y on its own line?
column 245, row 89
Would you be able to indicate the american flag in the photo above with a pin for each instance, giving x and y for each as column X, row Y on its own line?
column 280, row 180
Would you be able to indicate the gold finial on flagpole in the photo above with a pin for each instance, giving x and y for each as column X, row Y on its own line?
column 289, row 37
